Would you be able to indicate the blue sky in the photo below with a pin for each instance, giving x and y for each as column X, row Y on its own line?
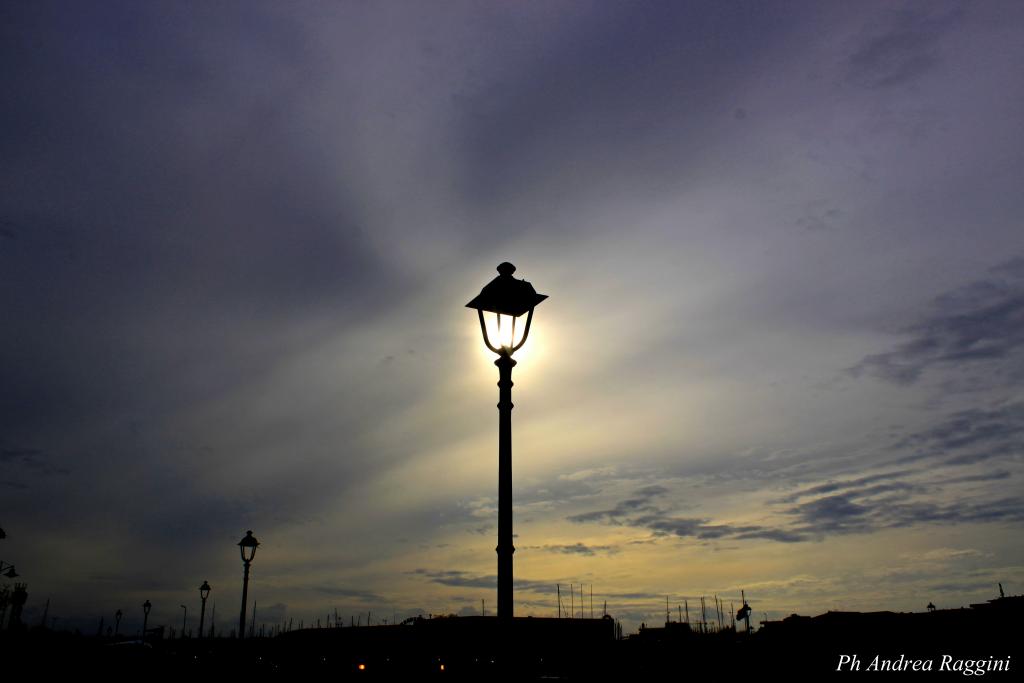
column 782, row 350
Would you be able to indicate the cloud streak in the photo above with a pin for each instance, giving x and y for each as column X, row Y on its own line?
column 982, row 322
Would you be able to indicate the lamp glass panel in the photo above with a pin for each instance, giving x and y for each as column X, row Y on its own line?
column 504, row 331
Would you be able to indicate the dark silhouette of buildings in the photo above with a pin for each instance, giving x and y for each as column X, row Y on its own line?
column 483, row 648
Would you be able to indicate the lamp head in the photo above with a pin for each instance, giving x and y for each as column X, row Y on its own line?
column 248, row 547
column 204, row 590
column 500, row 305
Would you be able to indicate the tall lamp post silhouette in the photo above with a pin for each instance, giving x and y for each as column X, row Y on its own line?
column 117, row 622
column 204, row 592
column 501, row 305
column 248, row 547
column 146, row 606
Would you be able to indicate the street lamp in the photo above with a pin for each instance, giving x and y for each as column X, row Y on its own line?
column 146, row 606
column 117, row 622
column 248, row 547
column 500, row 306
column 204, row 592
column 184, row 621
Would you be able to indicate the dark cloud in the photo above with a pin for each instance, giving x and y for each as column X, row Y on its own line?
column 641, row 500
column 836, row 514
column 459, row 578
column 960, row 587
column 969, row 436
column 345, row 592
column 559, row 490
column 575, row 549
column 885, row 500
column 819, row 219
column 833, row 486
column 665, row 524
column 901, row 47
column 981, row 322
column 968, row 478
column 851, row 513
column 28, row 460
column 780, row 535
column 454, row 577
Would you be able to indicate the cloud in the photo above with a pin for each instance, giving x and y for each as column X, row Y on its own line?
column 900, row 48
column 850, row 514
column 970, row 436
column 665, row 524
column 833, row 486
column 944, row 555
column 28, row 460
column 454, row 577
column 884, row 500
column 345, row 592
column 982, row 322
column 834, row 514
column 575, row 549
column 458, row 578
column 641, row 500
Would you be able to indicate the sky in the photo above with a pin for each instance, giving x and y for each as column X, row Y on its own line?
column 781, row 354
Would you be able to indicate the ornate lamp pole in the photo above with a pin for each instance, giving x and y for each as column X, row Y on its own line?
column 248, row 547
column 146, row 606
column 204, row 592
column 505, row 301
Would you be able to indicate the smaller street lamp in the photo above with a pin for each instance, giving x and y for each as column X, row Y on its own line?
column 247, row 546
column 204, row 592
column 146, row 606
column 117, row 622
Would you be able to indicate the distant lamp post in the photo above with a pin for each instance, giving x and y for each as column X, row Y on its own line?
column 744, row 612
column 184, row 620
column 117, row 622
column 500, row 306
column 146, row 606
column 248, row 547
column 204, row 592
